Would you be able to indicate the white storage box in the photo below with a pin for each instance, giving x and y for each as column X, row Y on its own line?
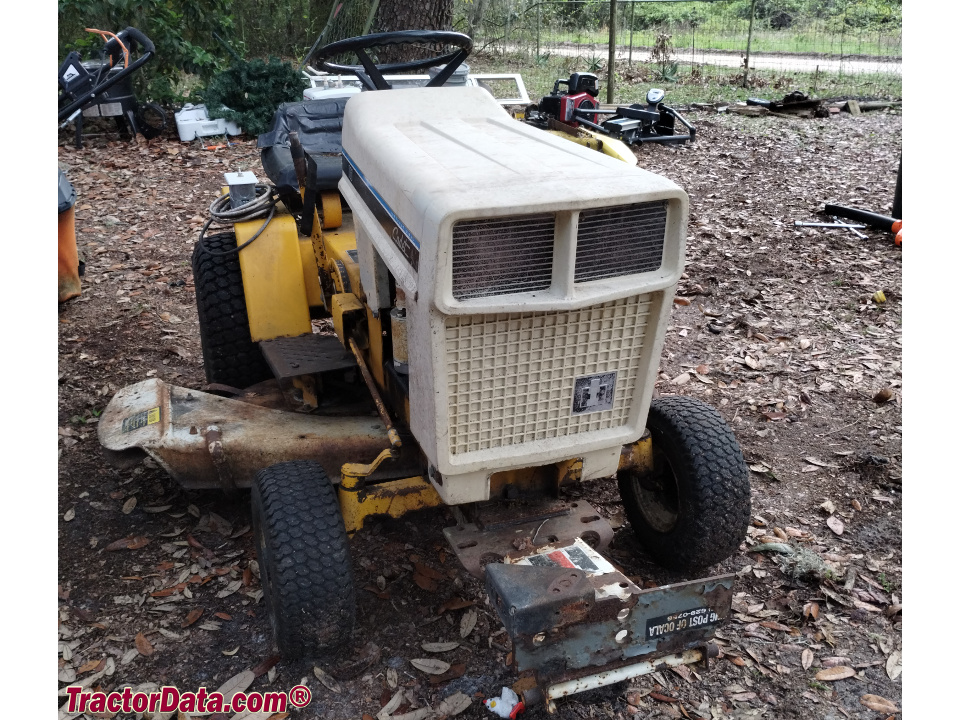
column 193, row 122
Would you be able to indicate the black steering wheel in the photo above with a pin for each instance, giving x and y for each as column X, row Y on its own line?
column 371, row 76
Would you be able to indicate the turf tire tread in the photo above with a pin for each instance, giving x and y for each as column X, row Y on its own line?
column 306, row 554
column 714, row 487
column 230, row 356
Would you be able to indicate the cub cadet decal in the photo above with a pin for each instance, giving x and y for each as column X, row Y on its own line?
column 400, row 236
column 141, row 419
column 579, row 556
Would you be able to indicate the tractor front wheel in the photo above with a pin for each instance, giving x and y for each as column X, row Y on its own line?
column 230, row 356
column 304, row 558
column 692, row 510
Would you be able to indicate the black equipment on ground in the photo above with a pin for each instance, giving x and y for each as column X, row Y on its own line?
column 632, row 124
column 874, row 220
column 104, row 88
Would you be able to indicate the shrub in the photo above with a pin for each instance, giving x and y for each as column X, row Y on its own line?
column 252, row 90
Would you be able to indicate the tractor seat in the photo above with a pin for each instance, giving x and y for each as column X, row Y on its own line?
column 319, row 124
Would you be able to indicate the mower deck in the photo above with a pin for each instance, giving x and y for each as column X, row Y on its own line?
column 206, row 442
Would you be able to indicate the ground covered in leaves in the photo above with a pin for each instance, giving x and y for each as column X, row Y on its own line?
column 794, row 334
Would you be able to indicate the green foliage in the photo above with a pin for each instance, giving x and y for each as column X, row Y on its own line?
column 595, row 63
column 287, row 28
column 668, row 73
column 838, row 14
column 587, row 20
column 181, row 30
column 252, row 90
column 662, row 55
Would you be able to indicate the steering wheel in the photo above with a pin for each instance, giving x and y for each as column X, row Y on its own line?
column 371, row 76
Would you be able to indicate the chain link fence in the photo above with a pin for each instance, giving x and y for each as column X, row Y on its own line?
column 858, row 43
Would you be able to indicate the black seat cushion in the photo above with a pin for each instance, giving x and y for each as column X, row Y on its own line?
column 319, row 124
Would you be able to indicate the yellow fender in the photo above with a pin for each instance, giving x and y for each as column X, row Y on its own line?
column 273, row 279
column 280, row 270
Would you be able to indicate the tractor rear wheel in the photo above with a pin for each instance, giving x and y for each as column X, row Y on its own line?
column 230, row 356
column 304, row 558
column 692, row 510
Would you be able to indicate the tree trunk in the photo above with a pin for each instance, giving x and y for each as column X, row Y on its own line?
column 411, row 15
column 476, row 16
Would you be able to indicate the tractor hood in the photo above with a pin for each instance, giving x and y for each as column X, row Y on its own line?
column 450, row 153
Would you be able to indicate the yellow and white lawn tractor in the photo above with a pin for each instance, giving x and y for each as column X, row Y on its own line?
column 499, row 297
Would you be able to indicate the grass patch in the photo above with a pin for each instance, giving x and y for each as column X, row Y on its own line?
column 698, row 83
column 887, row 584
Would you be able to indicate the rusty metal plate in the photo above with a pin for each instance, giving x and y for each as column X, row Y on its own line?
column 306, row 355
column 570, row 631
column 497, row 516
column 557, row 523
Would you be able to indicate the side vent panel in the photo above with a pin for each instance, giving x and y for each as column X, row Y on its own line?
column 617, row 241
column 498, row 256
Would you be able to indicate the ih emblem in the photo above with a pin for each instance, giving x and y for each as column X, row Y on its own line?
column 592, row 393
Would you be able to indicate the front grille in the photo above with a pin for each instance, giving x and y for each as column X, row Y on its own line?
column 511, row 376
column 498, row 256
column 617, row 241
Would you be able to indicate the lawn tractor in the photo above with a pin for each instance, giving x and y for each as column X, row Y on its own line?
column 499, row 298
column 577, row 107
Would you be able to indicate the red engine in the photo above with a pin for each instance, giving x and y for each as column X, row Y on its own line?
column 582, row 89
column 580, row 101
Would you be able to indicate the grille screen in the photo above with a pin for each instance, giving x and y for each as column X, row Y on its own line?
column 620, row 240
column 497, row 256
column 511, row 376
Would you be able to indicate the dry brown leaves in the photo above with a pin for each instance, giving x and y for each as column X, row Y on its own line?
column 837, row 672
column 143, row 645
column 878, row 704
column 128, row 543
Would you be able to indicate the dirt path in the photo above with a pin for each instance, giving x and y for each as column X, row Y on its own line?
column 780, row 328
